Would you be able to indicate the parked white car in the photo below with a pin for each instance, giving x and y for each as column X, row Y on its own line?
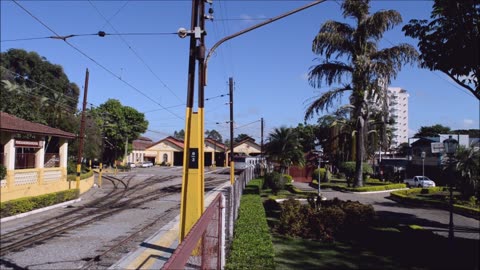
column 146, row 164
column 419, row 181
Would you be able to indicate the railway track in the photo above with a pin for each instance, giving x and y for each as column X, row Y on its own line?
column 101, row 208
column 132, row 194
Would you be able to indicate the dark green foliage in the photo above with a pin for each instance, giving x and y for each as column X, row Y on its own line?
column 325, row 175
column 348, row 168
column 333, row 219
column 3, row 171
column 27, row 204
column 275, row 181
column 288, row 179
column 271, row 205
column 432, row 131
column 252, row 246
column 443, row 47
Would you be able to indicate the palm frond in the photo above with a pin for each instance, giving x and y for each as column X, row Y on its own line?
column 355, row 8
column 387, row 62
column 331, row 72
column 325, row 101
column 334, row 38
column 381, row 21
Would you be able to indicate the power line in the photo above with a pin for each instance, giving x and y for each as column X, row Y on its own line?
column 97, row 63
column 135, row 52
column 99, row 33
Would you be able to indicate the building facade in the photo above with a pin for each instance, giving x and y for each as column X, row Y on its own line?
column 397, row 99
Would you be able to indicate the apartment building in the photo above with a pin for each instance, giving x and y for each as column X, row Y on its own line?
column 397, row 99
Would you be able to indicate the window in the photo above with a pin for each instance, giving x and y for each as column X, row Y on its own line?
column 165, row 158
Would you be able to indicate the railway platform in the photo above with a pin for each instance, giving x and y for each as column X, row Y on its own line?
column 155, row 251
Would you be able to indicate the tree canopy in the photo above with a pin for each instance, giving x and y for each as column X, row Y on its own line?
column 242, row 136
column 118, row 123
column 213, row 134
column 432, row 131
column 179, row 134
column 353, row 63
column 450, row 41
column 34, row 89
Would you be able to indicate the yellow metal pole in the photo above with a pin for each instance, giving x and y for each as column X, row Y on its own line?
column 232, row 172
column 100, row 175
column 115, row 171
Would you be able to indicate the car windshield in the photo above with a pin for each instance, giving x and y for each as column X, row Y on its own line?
column 423, row 178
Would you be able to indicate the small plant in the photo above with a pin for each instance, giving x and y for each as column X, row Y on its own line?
column 275, row 181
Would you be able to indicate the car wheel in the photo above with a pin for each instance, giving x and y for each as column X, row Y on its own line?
column 408, row 185
column 419, row 185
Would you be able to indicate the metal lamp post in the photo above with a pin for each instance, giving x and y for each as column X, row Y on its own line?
column 450, row 149
column 423, row 162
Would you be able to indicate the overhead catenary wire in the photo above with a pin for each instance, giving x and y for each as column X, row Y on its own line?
column 135, row 53
column 96, row 62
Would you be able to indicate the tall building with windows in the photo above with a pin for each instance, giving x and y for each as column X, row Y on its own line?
column 397, row 99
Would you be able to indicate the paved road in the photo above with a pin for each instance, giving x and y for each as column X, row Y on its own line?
column 433, row 219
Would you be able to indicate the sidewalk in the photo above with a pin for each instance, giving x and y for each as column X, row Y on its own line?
column 304, row 186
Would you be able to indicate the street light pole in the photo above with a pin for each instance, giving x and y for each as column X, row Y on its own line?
column 450, row 146
column 423, row 163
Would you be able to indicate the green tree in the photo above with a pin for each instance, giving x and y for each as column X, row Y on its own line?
column 284, row 148
column 364, row 69
column 41, row 86
column 450, row 41
column 307, row 136
column 432, row 131
column 213, row 134
column 179, row 134
column 468, row 166
column 119, row 123
column 242, row 136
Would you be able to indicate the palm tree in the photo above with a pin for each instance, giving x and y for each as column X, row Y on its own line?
column 468, row 166
column 363, row 68
column 284, row 148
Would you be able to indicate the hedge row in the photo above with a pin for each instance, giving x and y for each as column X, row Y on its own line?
column 403, row 196
column 73, row 177
column 252, row 246
column 27, row 204
column 374, row 188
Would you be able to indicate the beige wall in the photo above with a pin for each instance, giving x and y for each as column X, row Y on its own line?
column 48, row 180
column 159, row 149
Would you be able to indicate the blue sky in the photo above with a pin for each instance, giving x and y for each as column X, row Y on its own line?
column 269, row 65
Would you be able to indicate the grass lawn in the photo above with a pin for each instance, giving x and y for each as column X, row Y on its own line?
column 388, row 248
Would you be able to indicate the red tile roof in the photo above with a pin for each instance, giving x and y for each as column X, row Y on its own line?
column 141, row 143
column 13, row 124
column 172, row 140
column 217, row 143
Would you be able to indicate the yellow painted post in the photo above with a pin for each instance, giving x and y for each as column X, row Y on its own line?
column 100, row 175
column 192, row 200
column 77, row 179
column 90, row 164
column 232, row 172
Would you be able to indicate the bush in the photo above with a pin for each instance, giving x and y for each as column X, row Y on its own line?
column 252, row 246
column 253, row 187
column 335, row 218
column 288, row 179
column 374, row 188
column 275, row 181
column 348, row 168
column 323, row 173
column 271, row 205
column 27, row 204
column 73, row 177
column 3, row 171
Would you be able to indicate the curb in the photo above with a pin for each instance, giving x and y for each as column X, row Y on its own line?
column 39, row 210
column 373, row 192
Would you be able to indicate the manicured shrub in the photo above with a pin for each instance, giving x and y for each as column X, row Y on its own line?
column 27, row 204
column 323, row 173
column 288, row 179
column 73, row 177
column 271, row 205
column 253, row 187
column 335, row 218
column 252, row 246
column 348, row 168
column 274, row 181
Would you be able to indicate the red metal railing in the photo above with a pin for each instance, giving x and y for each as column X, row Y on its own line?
column 202, row 247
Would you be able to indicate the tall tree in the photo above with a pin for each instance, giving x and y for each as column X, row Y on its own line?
column 364, row 67
column 40, row 85
column 284, row 148
column 179, row 134
column 242, row 136
column 307, row 136
column 213, row 134
column 432, row 131
column 119, row 123
column 450, row 41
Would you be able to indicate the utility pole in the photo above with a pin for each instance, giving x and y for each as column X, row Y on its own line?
column 82, row 132
column 192, row 198
column 126, row 151
column 230, row 157
column 261, row 132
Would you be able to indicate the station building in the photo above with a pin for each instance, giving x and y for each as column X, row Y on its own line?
column 35, row 157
